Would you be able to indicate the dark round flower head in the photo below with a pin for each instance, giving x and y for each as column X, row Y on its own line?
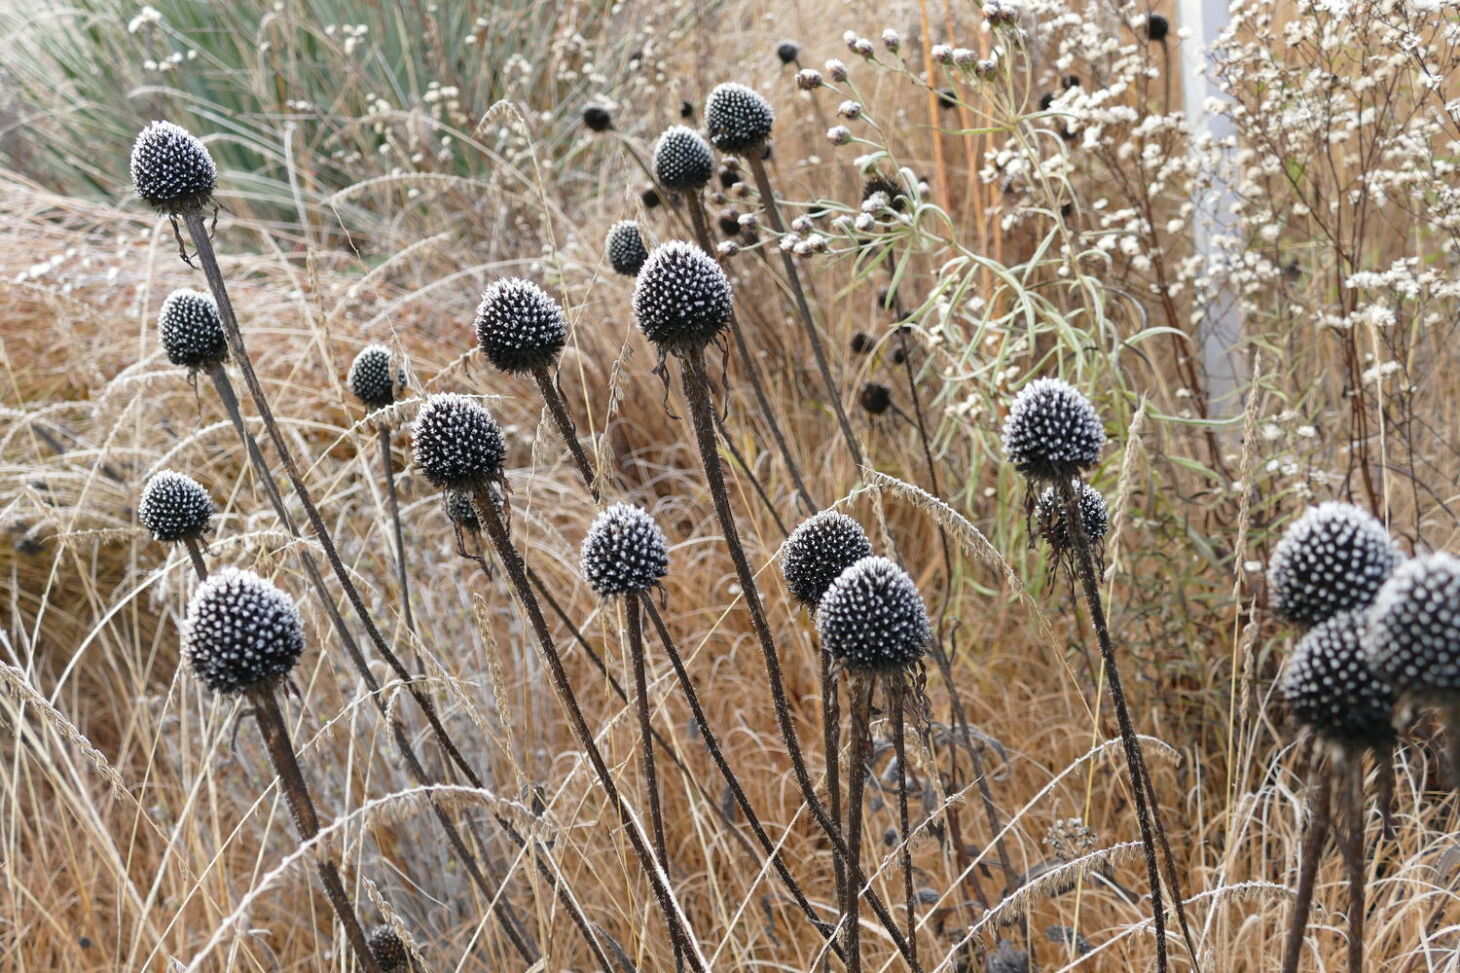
column 1157, row 27
column 1332, row 689
column 682, row 297
column 1414, row 628
column 872, row 617
column 174, row 507
column 1332, row 559
column 192, row 331
column 1052, row 431
column 519, row 327
column 241, row 632
column 597, row 118
column 372, row 379
column 876, row 398
column 737, row 117
column 650, row 198
column 819, row 550
column 171, row 169
column 457, row 444
column 862, row 343
column 686, row 109
column 947, row 98
column 682, row 160
column 459, row 510
column 625, row 247
column 788, row 51
column 729, row 177
column 1050, row 515
column 624, row 552
column 388, row 949
column 891, row 188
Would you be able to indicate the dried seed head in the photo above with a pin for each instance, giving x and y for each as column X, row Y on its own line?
column 682, row 297
column 819, row 550
column 625, row 247
column 1050, row 515
column 788, row 51
column 624, row 552
column 1157, row 28
column 1332, row 559
column 1331, row 687
column 459, row 510
column 650, row 198
column 686, row 109
column 171, row 169
column 876, row 398
column 192, row 331
column 372, row 379
column 174, row 507
column 682, row 160
column 597, row 118
column 738, row 118
column 388, row 949
column 1007, row 958
column 241, row 632
column 519, row 327
column 1052, row 431
column 872, row 617
column 1414, row 628
column 457, row 444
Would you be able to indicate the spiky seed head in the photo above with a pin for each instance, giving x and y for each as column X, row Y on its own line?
column 519, row 327
column 372, row 379
column 1007, row 958
column 597, row 118
column 1414, row 628
column 1332, row 689
column 457, row 444
column 875, row 397
column 459, row 510
column 872, row 617
column 1332, row 559
column 682, row 297
column 820, row 549
column 388, row 949
column 682, row 160
column 737, row 117
column 171, row 169
column 686, row 109
column 625, row 246
column 1052, row 431
column 191, row 330
column 174, row 507
column 624, row 552
column 650, row 198
column 241, row 632
column 1157, row 27
column 1050, row 516
column 788, row 51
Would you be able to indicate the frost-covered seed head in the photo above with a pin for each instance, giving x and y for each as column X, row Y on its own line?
column 818, row 551
column 737, row 117
column 174, row 507
column 1332, row 689
column 597, row 118
column 1007, row 958
column 388, row 949
column 1332, row 559
column 1157, row 28
column 682, row 297
column 1052, row 431
column 891, row 40
column 372, row 379
column 872, row 617
column 808, row 79
column 1050, row 515
column 838, row 135
column 191, row 330
column 876, row 398
column 650, row 198
column 519, row 327
column 625, row 246
column 241, row 632
column 1414, row 628
column 682, row 160
column 459, row 510
column 457, row 444
column 788, row 51
column 836, row 70
column 171, row 169
column 624, row 552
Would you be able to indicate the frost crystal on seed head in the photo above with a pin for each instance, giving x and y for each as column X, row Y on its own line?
column 625, row 248
column 682, row 297
column 171, row 169
column 1414, row 627
column 624, row 552
column 519, row 327
column 872, row 617
column 737, row 117
column 819, row 550
column 371, row 377
column 1332, row 689
column 457, row 444
column 1052, row 431
column 174, row 507
column 241, row 632
column 682, row 160
column 1332, row 559
column 191, row 330
column 1050, row 516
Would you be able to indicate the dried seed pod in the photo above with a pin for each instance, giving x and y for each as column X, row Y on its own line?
column 1332, row 559
column 872, row 617
column 519, row 327
column 625, row 246
column 191, row 330
column 1050, row 516
column 1052, row 431
column 241, row 632
column 372, row 379
column 1413, row 639
column 174, row 507
column 682, row 160
column 1332, row 689
column 457, row 444
column 624, row 552
column 682, row 297
column 818, row 551
column 171, row 169
column 738, row 118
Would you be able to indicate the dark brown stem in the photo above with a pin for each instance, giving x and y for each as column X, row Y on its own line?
column 860, row 690
column 195, row 554
column 831, row 732
column 1452, row 738
column 566, row 428
column 1313, row 840
column 896, row 687
column 387, row 467
column 1353, row 856
column 306, row 821
column 755, row 484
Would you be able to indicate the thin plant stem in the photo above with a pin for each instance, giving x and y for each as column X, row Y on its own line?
column 1353, row 855
column 566, row 428
column 831, row 732
column 1319, row 785
column 1452, row 738
column 897, row 687
column 387, row 468
column 195, row 554
column 860, row 690
column 755, row 483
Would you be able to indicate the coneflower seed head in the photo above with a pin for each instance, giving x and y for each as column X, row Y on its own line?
column 1332, row 559
column 171, row 169
column 872, row 617
column 682, row 159
column 460, row 511
column 818, row 551
column 625, row 246
column 191, row 330
column 737, row 117
column 174, row 507
column 241, row 632
column 1050, row 516
column 682, row 297
column 388, row 949
column 457, row 444
column 1331, row 688
column 1414, row 628
column 1052, row 431
column 519, row 327
column 371, row 378
column 624, row 552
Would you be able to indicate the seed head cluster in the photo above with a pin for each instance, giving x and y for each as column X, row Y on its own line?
column 624, row 552
column 1050, row 515
column 457, row 444
column 191, row 330
column 682, row 159
column 1332, row 559
column 872, row 618
column 459, row 510
column 519, row 327
column 625, row 246
column 818, row 551
column 174, row 507
column 388, row 949
column 372, row 379
column 171, row 169
column 1414, row 628
column 682, row 297
column 737, row 117
column 1332, row 689
column 1052, row 431
column 241, row 632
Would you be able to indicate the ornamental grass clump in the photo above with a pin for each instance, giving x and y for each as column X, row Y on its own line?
column 1332, row 559
column 374, row 378
column 176, row 509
